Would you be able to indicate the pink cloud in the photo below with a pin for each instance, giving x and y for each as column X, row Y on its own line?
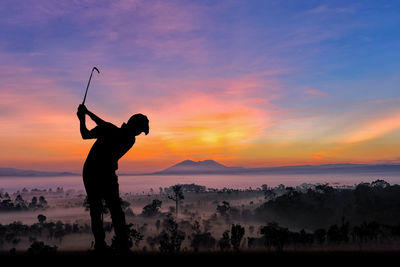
column 316, row 92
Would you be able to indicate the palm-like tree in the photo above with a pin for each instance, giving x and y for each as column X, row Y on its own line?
column 176, row 196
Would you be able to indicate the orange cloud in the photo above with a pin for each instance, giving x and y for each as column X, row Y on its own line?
column 374, row 129
column 317, row 156
column 199, row 123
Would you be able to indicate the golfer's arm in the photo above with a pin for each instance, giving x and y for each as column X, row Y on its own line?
column 96, row 119
column 85, row 133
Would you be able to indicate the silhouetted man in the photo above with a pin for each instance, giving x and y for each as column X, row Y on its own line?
column 99, row 176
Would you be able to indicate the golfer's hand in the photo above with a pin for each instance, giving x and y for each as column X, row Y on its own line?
column 82, row 110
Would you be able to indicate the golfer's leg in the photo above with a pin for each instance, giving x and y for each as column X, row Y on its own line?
column 97, row 223
column 117, row 216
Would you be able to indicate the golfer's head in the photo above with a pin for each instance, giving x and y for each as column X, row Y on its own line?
column 139, row 123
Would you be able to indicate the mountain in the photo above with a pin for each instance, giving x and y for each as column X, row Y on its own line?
column 213, row 167
column 19, row 172
column 198, row 167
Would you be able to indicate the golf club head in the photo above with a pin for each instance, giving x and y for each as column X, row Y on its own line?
column 96, row 69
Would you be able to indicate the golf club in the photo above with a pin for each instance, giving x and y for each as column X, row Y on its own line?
column 87, row 87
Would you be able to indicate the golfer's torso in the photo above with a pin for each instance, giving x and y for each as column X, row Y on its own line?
column 109, row 147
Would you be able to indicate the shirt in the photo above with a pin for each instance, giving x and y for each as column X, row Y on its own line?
column 111, row 144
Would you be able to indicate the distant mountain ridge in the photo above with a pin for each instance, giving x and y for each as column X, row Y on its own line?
column 205, row 166
column 20, row 172
column 213, row 167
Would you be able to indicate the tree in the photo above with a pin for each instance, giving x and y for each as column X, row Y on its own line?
column 40, row 248
column 224, row 208
column 344, row 230
column 275, row 236
column 264, row 187
column 20, row 203
column 367, row 231
column 380, row 184
column 320, row 236
column 268, row 192
column 152, row 209
column 134, row 237
column 33, row 203
column 152, row 241
column 196, row 227
column 171, row 237
column 325, row 189
column 225, row 242
column 237, row 233
column 176, row 196
column 333, row 234
column 202, row 240
column 41, row 218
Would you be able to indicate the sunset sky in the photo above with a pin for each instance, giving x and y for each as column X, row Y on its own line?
column 249, row 83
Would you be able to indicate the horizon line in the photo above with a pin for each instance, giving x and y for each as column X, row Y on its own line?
column 234, row 166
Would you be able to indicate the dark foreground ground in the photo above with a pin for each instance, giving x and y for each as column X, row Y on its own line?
column 206, row 259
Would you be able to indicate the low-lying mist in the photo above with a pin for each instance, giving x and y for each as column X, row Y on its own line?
column 306, row 217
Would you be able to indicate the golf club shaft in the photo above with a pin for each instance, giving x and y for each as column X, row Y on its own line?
column 87, row 87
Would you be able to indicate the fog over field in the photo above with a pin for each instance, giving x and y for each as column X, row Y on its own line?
column 142, row 184
column 308, row 216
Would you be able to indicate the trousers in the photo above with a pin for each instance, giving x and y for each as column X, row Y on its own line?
column 101, row 186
